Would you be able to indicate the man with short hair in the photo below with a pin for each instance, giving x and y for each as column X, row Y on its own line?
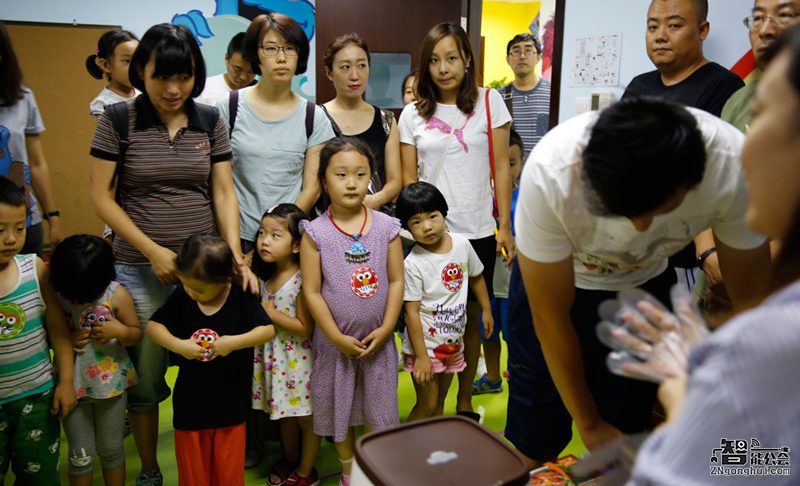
column 605, row 198
column 238, row 73
column 766, row 22
column 528, row 96
column 676, row 30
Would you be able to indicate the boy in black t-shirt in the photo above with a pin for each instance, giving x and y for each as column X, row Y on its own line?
column 210, row 325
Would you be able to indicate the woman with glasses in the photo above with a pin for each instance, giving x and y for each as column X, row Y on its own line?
column 276, row 135
column 347, row 65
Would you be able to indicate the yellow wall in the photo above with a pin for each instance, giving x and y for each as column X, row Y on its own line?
column 500, row 22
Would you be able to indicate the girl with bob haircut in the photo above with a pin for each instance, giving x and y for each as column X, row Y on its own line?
column 21, row 124
column 448, row 129
column 276, row 135
column 347, row 65
column 173, row 180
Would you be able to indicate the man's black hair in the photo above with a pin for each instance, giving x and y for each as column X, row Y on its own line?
column 419, row 197
column 236, row 45
column 525, row 37
column 641, row 151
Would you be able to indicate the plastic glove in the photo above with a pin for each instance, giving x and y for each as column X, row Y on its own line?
column 649, row 342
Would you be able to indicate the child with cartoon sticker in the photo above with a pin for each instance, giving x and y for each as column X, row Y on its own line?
column 282, row 367
column 211, row 396
column 439, row 265
column 31, row 399
column 352, row 266
column 103, row 321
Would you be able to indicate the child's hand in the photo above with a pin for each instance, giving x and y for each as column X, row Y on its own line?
column 374, row 341
column 189, row 349
column 488, row 323
column 80, row 339
column 350, row 346
column 103, row 332
column 423, row 369
column 64, row 398
column 223, row 346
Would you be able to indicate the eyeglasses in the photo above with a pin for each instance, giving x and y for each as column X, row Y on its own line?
column 528, row 51
column 757, row 20
column 272, row 51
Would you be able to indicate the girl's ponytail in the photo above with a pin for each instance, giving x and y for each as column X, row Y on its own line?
column 93, row 68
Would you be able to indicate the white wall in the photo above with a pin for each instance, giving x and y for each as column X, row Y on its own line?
column 727, row 41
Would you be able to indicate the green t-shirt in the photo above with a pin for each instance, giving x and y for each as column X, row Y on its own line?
column 737, row 108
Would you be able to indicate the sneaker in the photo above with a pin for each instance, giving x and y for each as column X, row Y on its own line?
column 481, row 370
column 483, row 385
column 296, row 480
column 152, row 477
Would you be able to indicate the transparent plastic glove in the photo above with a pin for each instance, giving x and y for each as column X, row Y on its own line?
column 649, row 342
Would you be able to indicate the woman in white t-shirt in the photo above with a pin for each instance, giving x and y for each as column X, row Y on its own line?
column 444, row 140
column 112, row 59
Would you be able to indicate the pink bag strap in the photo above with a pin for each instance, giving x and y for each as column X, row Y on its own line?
column 495, row 212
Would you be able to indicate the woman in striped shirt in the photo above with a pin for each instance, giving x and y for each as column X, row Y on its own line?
column 175, row 181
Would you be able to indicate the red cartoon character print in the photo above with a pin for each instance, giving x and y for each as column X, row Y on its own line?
column 452, row 277
column 447, row 349
column 364, row 282
column 207, row 338
column 92, row 315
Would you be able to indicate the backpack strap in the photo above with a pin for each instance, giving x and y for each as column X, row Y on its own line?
column 336, row 130
column 118, row 113
column 210, row 115
column 309, row 119
column 233, row 108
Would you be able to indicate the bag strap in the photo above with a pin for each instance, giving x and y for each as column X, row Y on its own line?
column 495, row 211
column 309, row 119
column 118, row 113
column 335, row 126
column 508, row 96
column 233, row 108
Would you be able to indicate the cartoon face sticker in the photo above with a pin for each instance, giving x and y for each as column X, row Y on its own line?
column 449, row 348
column 364, row 282
column 452, row 277
column 207, row 338
column 93, row 315
column 12, row 320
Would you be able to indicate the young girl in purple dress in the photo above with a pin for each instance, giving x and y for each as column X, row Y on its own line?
column 351, row 260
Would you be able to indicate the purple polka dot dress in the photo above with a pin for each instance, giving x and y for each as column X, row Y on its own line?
column 346, row 391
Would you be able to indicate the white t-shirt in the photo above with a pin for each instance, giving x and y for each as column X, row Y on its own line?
column 107, row 97
column 216, row 88
column 464, row 177
column 552, row 220
column 440, row 282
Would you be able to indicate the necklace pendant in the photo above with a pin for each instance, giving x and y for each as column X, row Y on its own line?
column 357, row 253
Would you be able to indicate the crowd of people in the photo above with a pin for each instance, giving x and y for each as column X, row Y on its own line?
column 271, row 248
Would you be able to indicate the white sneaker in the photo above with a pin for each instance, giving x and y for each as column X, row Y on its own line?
column 481, row 367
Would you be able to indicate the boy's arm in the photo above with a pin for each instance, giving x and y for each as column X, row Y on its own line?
column 478, row 286
column 394, row 263
column 64, row 398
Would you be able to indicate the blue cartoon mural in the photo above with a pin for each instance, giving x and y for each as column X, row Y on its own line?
column 233, row 16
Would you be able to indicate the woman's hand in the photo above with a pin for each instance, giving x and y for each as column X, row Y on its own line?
column 505, row 240
column 163, row 262
column 54, row 226
column 248, row 278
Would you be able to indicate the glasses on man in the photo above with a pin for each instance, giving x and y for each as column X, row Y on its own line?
column 270, row 50
column 528, row 51
column 758, row 20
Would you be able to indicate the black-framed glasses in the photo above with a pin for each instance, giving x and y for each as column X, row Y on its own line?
column 758, row 20
column 270, row 50
column 528, row 51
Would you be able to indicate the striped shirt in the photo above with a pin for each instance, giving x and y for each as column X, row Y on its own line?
column 531, row 113
column 25, row 367
column 743, row 385
column 165, row 184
